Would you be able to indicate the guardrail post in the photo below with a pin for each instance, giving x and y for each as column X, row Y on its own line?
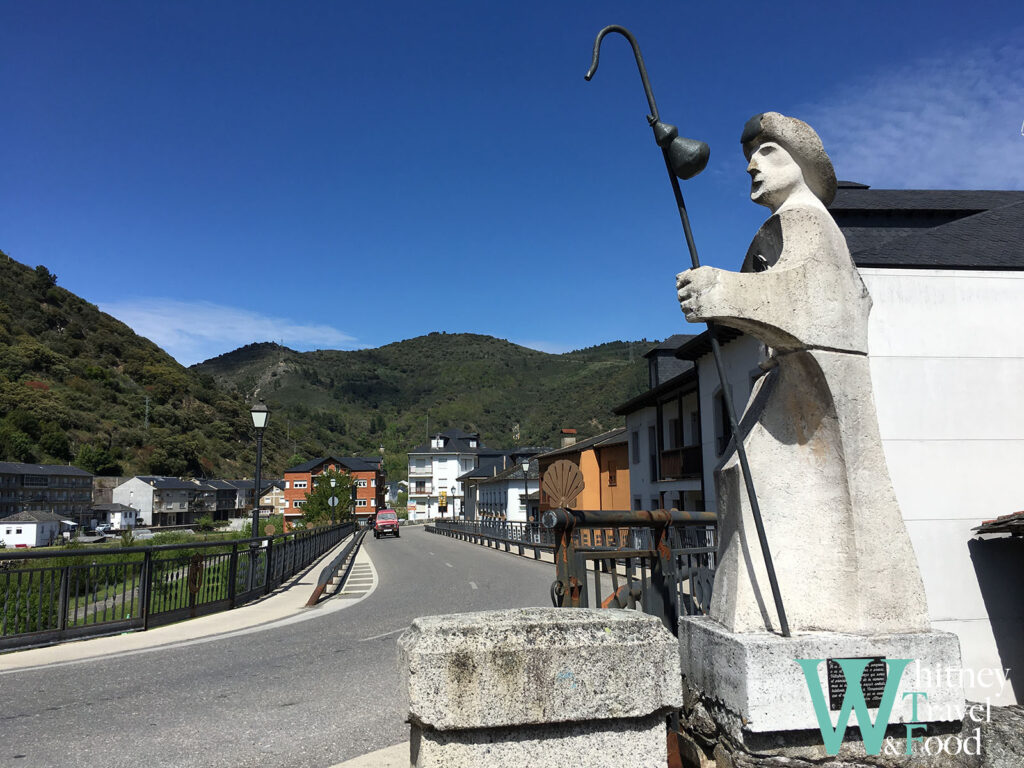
column 65, row 579
column 146, row 587
column 270, row 564
column 232, row 575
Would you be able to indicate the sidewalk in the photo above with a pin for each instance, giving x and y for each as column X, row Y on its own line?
column 285, row 605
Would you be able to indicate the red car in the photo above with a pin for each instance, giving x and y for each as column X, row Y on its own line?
column 386, row 524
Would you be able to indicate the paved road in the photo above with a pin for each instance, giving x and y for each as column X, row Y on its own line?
column 313, row 693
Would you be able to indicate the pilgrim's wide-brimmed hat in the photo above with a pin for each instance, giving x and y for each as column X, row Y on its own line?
column 803, row 144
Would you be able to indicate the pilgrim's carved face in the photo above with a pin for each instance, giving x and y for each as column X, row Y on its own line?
column 774, row 175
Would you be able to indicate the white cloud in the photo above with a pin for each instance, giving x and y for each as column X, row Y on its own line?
column 195, row 331
column 952, row 122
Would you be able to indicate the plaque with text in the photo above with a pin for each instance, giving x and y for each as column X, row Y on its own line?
column 872, row 682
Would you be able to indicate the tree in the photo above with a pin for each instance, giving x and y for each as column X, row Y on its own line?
column 316, row 510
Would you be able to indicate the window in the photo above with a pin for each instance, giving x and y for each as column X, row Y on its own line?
column 652, row 450
column 361, row 484
column 298, row 503
column 636, row 448
column 373, row 483
column 287, row 484
column 612, row 478
column 284, row 505
column 300, row 484
column 360, row 502
column 373, row 502
column 17, row 530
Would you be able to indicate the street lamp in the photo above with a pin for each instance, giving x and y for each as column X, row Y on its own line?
column 526, row 490
column 259, row 415
column 334, row 499
column 451, row 493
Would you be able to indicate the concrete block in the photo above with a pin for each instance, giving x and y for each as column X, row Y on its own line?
column 755, row 675
column 533, row 666
column 637, row 743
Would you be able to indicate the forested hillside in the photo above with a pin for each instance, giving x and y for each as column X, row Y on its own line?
column 77, row 385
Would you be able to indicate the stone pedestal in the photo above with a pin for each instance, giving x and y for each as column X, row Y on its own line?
column 539, row 687
column 747, row 693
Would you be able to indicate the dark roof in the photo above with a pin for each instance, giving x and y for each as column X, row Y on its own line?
column 487, row 468
column 167, row 483
column 686, row 380
column 112, row 508
column 15, row 468
column 221, row 485
column 864, row 198
column 34, row 517
column 701, row 344
column 993, row 239
column 671, row 344
column 514, row 472
column 246, row 485
column 456, row 441
column 931, row 228
column 351, row 463
column 611, row 437
column 1013, row 524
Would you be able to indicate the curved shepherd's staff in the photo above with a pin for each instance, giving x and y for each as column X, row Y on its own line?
column 684, row 159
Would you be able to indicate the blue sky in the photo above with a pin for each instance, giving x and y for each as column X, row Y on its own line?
column 348, row 174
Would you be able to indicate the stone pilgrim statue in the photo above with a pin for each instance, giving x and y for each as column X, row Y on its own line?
column 843, row 557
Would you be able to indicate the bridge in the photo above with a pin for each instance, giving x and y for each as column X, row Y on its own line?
column 268, row 684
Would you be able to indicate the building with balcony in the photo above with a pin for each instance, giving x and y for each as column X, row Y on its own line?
column 368, row 478
column 434, row 471
column 56, row 488
column 165, row 500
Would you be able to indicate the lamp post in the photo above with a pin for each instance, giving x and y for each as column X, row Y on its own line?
column 526, row 491
column 334, row 500
column 259, row 415
column 451, row 493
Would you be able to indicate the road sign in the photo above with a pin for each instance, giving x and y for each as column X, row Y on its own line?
column 333, row 501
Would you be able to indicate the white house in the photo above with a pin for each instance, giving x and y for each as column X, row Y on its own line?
column 159, row 500
column 946, row 274
column 434, row 469
column 506, row 495
column 31, row 529
column 119, row 516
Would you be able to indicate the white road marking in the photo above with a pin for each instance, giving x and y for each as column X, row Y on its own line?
column 472, row 584
column 386, row 634
column 449, row 565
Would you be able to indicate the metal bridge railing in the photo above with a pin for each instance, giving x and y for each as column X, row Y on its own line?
column 661, row 562
column 48, row 597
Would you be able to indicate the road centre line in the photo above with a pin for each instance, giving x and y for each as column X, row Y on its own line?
column 449, row 565
column 473, row 585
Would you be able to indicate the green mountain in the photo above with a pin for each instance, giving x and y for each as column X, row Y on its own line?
column 393, row 396
column 78, row 386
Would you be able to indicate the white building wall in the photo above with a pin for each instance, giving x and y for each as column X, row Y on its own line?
column 137, row 494
column 947, row 358
column 31, row 534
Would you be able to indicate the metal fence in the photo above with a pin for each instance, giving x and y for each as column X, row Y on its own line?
column 661, row 562
column 47, row 597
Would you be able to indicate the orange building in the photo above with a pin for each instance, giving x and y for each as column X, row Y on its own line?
column 367, row 473
column 604, row 462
